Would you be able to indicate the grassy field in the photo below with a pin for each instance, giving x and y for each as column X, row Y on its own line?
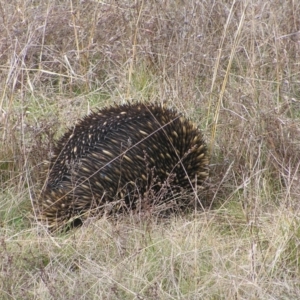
column 230, row 66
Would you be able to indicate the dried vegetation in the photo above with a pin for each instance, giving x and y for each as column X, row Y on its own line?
column 231, row 66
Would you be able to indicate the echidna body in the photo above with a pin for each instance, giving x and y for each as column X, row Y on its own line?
column 115, row 154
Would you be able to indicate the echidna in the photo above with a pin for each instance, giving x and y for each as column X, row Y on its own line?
column 115, row 156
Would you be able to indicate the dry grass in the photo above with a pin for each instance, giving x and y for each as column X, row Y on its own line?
column 233, row 68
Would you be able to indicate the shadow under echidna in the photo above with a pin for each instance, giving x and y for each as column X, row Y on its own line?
column 114, row 158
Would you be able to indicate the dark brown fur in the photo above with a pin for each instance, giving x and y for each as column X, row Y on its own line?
column 120, row 152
